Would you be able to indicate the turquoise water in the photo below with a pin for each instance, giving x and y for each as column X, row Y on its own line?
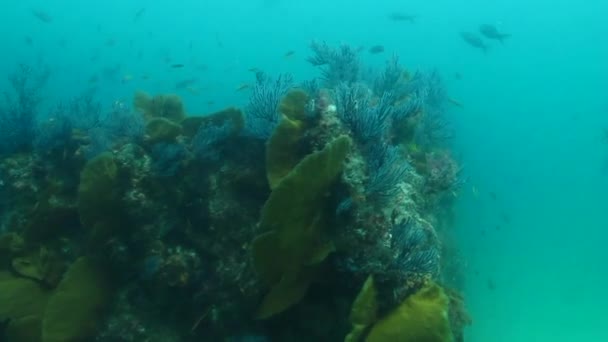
column 529, row 133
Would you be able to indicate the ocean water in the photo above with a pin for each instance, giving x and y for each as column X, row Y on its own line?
column 531, row 219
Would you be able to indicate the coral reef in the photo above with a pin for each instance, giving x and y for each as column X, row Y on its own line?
column 319, row 213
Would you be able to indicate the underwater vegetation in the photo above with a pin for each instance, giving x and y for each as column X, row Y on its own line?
column 316, row 213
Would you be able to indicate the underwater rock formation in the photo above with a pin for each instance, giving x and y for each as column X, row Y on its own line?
column 318, row 213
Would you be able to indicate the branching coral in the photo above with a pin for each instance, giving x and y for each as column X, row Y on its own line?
column 368, row 122
column 19, row 113
column 387, row 168
column 337, row 65
column 262, row 110
column 84, row 119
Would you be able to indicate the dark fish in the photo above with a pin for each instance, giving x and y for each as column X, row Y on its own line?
column 111, row 72
column 397, row 16
column 93, row 79
column 376, row 49
column 42, row 16
column 505, row 218
column 289, row 53
column 177, row 66
column 140, row 12
column 474, row 40
column 218, row 41
column 491, row 32
column 185, row 83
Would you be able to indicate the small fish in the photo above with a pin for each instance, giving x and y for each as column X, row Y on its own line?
column 126, row 79
column 145, row 77
column 491, row 285
column 93, row 79
column 457, row 76
column 397, row 16
column 492, row 195
column 505, row 218
column 42, row 16
column 210, row 103
column 183, row 84
column 491, row 32
column 242, row 87
column 455, row 102
column 140, row 12
column 218, row 41
column 255, row 70
column 29, row 41
column 376, row 49
column 605, row 134
column 193, row 90
column 474, row 40
column 289, row 54
column 177, row 66
column 110, row 42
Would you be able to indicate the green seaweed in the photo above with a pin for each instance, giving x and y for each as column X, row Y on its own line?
column 422, row 317
column 98, row 190
column 282, row 150
column 74, row 309
column 293, row 105
column 294, row 228
column 364, row 311
column 162, row 130
column 22, row 303
column 168, row 106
